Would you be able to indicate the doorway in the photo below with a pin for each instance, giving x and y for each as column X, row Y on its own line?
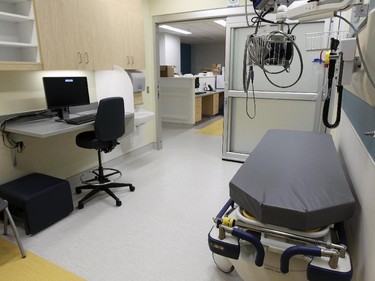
column 191, row 18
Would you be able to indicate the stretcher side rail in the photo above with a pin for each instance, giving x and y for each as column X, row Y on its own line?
column 329, row 245
column 221, row 220
column 307, row 251
column 254, row 240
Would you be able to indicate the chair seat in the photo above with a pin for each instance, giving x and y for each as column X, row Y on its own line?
column 89, row 140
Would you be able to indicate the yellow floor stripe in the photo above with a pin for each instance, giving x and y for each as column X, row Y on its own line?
column 32, row 268
column 215, row 129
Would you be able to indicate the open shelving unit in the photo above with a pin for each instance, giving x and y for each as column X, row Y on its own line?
column 18, row 36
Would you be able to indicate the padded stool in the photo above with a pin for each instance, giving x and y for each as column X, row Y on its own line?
column 39, row 200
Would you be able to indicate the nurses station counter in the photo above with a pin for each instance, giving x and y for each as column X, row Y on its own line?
column 182, row 103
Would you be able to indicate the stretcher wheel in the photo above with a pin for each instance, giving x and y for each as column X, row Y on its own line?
column 222, row 263
column 78, row 190
column 132, row 188
column 118, row 203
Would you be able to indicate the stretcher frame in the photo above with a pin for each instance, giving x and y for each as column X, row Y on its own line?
column 325, row 259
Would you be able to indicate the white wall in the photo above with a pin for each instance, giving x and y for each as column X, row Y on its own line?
column 22, row 91
column 204, row 55
column 163, row 7
column 361, row 171
column 170, row 50
column 359, row 164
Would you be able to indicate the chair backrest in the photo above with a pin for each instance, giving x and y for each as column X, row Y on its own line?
column 110, row 119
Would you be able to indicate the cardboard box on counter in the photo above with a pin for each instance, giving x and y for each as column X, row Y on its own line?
column 215, row 69
column 166, row 71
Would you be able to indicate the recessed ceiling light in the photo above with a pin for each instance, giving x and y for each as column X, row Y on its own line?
column 174, row 29
column 221, row 22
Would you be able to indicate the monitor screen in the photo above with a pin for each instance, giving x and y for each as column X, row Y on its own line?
column 63, row 92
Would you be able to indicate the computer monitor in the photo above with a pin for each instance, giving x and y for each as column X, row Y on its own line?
column 63, row 92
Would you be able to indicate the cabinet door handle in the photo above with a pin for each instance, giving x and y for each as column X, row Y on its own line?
column 132, row 60
column 87, row 57
column 79, row 58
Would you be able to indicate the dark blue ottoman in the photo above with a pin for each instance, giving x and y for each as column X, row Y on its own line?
column 39, row 200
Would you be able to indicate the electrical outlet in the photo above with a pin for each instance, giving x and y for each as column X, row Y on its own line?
column 20, row 146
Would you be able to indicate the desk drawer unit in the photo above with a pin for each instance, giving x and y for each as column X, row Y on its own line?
column 198, row 109
column 210, row 104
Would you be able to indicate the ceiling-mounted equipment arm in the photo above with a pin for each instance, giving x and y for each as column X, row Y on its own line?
column 306, row 10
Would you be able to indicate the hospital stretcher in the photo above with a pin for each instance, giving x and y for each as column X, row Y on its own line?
column 284, row 220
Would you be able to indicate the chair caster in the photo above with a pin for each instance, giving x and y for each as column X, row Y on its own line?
column 78, row 190
column 118, row 203
column 80, row 205
column 132, row 188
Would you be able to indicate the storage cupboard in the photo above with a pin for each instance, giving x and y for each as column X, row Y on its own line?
column 89, row 34
column 73, row 34
column 128, row 35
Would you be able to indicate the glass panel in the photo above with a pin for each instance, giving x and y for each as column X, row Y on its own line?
column 245, row 133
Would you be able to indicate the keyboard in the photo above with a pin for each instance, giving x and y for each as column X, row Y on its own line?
column 81, row 119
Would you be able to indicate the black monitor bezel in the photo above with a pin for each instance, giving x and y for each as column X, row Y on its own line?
column 50, row 92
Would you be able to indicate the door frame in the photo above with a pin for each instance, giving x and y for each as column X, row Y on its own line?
column 158, row 20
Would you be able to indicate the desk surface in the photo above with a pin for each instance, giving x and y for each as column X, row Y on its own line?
column 44, row 128
column 208, row 93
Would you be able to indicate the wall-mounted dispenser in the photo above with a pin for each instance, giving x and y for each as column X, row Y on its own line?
column 138, row 80
column 141, row 116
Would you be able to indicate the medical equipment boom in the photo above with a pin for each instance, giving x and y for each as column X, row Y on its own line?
column 305, row 10
column 274, row 52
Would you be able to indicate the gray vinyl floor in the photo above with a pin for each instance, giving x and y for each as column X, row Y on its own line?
column 160, row 231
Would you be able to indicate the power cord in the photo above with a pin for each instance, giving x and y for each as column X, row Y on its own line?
column 250, row 80
column 8, row 141
column 257, row 48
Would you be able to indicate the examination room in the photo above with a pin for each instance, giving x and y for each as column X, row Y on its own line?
column 219, row 140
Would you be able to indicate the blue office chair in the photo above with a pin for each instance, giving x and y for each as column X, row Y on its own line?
column 109, row 126
column 8, row 216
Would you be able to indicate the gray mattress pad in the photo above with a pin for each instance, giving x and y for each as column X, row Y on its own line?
column 294, row 179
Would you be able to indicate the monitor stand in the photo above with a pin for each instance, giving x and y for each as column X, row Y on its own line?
column 62, row 113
